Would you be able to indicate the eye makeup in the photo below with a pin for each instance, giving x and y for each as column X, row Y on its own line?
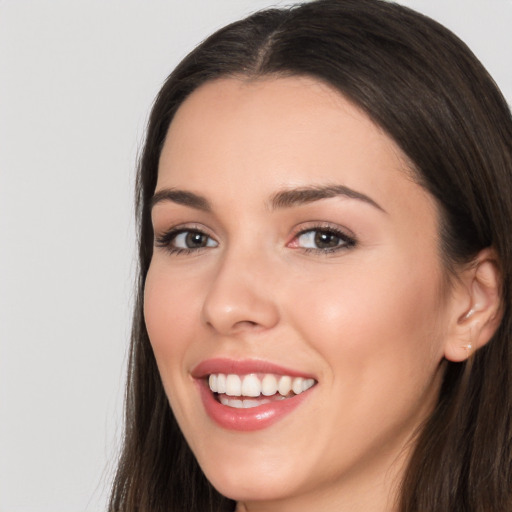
column 320, row 238
column 185, row 240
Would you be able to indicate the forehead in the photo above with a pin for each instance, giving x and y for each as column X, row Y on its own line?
column 255, row 111
column 259, row 135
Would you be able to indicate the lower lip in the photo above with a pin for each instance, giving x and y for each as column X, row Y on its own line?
column 254, row 418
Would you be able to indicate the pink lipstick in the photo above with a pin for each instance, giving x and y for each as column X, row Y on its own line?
column 250, row 394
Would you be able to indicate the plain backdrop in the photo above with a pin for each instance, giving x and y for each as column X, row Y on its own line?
column 77, row 79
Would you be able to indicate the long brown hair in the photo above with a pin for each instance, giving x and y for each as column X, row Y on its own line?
column 425, row 88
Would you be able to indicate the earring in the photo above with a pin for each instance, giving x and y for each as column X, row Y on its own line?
column 469, row 346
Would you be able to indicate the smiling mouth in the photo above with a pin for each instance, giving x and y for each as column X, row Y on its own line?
column 254, row 390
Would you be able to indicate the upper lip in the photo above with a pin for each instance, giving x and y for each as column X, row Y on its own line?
column 243, row 367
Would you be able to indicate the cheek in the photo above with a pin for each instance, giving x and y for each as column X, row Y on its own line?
column 379, row 320
column 170, row 312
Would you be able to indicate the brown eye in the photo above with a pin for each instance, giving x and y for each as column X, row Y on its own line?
column 323, row 240
column 194, row 240
column 326, row 240
column 181, row 241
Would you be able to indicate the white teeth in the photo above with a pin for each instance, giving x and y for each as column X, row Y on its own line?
column 253, row 386
column 247, row 404
column 233, row 385
column 285, row 385
column 297, row 385
column 212, row 381
column 241, row 404
column 221, row 383
column 237, row 404
column 307, row 383
column 269, row 385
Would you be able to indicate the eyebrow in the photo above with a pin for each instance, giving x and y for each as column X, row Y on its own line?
column 304, row 195
column 182, row 197
column 283, row 199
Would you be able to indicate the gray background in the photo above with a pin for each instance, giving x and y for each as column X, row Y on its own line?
column 77, row 79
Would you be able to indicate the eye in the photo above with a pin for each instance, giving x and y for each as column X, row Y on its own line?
column 323, row 240
column 193, row 240
column 178, row 241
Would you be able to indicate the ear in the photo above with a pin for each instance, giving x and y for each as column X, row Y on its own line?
column 476, row 307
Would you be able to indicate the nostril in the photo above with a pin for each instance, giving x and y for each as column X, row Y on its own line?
column 247, row 324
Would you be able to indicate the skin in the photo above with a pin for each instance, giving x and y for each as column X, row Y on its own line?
column 370, row 321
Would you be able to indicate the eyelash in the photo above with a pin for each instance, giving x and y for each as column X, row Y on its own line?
column 166, row 239
column 345, row 241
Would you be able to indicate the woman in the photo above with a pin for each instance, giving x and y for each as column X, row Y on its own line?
column 324, row 295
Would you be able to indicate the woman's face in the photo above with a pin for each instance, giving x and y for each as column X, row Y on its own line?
column 293, row 250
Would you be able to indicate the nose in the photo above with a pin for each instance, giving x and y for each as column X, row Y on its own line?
column 241, row 296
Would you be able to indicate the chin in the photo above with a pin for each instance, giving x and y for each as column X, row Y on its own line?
column 250, row 480
column 251, row 488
